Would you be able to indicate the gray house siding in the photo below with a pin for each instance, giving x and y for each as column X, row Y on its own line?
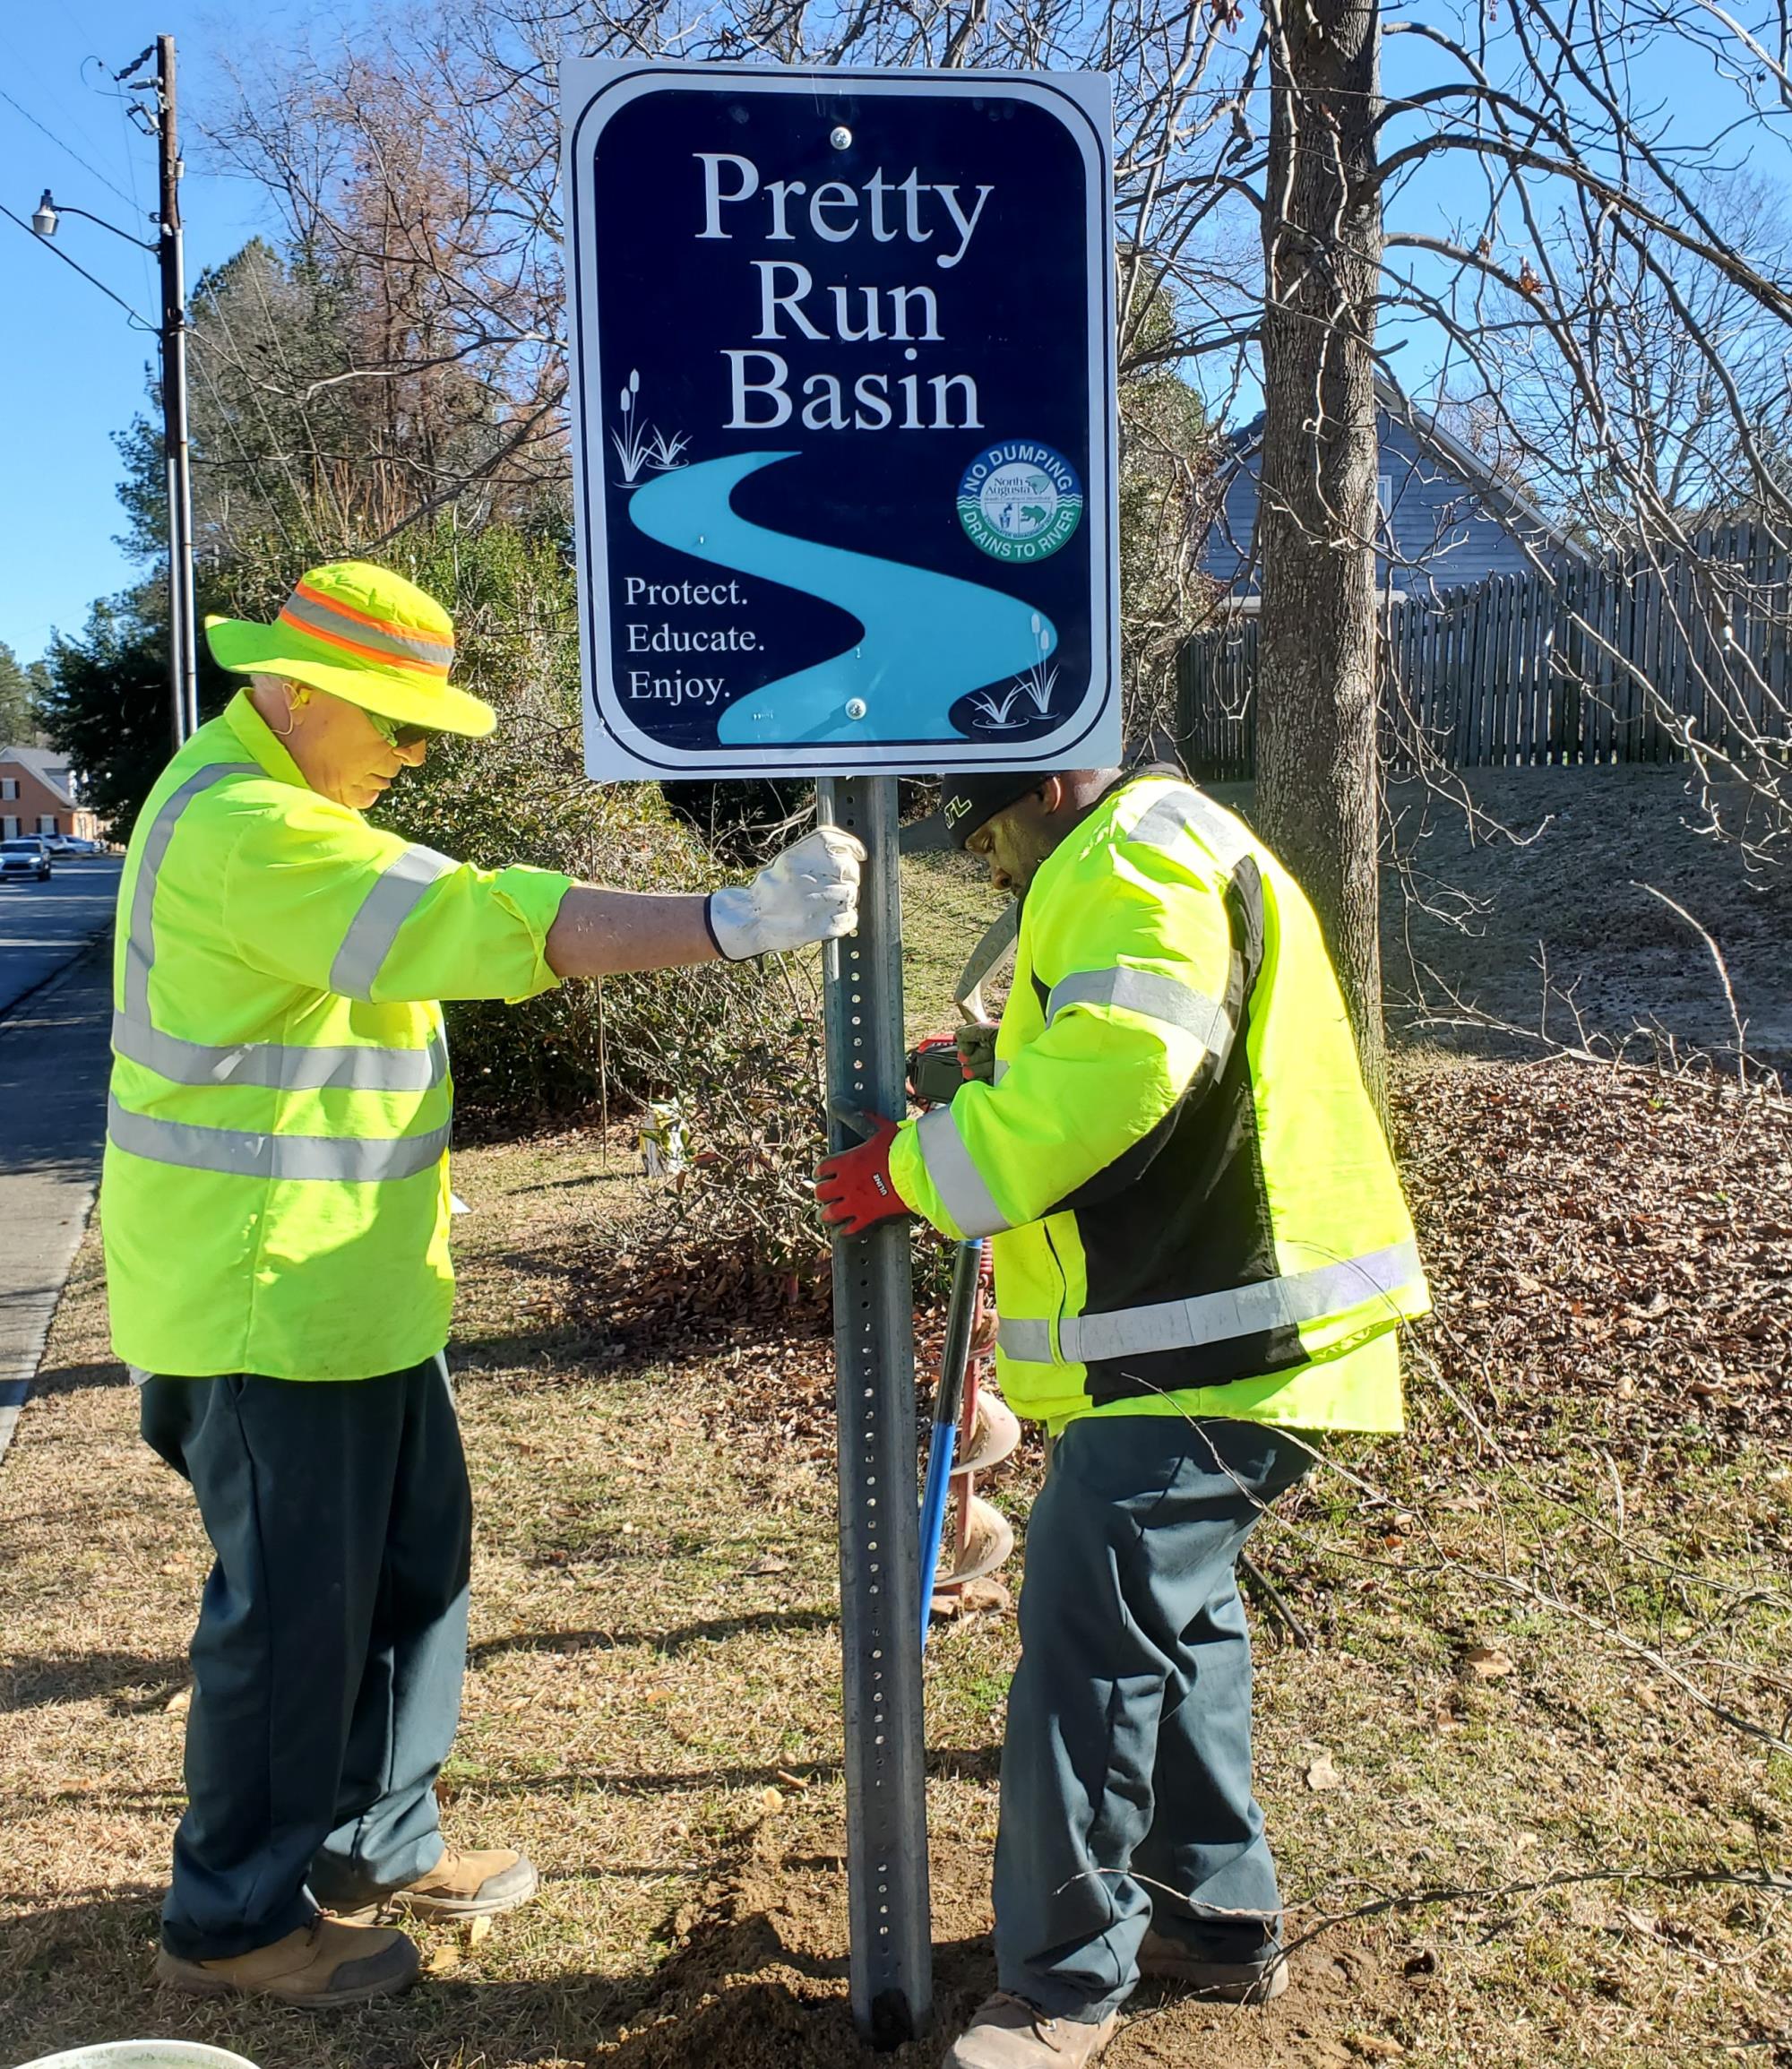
column 1441, row 533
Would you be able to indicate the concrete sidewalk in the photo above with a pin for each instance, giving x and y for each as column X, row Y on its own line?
column 54, row 1053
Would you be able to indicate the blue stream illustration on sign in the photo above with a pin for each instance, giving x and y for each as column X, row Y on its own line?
column 929, row 639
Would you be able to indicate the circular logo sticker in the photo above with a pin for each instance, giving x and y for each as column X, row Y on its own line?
column 1019, row 500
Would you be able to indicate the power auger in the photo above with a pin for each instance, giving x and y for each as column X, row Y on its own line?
column 974, row 1429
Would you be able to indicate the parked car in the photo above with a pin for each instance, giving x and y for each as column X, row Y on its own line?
column 26, row 855
column 57, row 843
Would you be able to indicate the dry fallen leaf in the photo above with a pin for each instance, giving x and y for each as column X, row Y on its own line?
column 773, row 1801
column 1486, row 1662
column 441, row 1960
column 180, row 1702
column 1374, row 2047
column 477, row 1929
column 1321, row 1774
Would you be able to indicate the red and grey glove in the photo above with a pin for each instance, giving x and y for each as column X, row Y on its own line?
column 854, row 1186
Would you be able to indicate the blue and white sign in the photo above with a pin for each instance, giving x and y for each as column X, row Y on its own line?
column 843, row 381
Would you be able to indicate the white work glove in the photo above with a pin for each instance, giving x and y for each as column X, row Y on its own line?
column 809, row 894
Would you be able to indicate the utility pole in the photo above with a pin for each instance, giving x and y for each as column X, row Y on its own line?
column 171, row 332
column 183, row 622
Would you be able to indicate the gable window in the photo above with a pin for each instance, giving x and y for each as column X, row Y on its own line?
column 9, row 788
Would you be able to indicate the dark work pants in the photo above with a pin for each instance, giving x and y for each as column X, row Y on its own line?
column 1126, row 1769
column 331, row 1646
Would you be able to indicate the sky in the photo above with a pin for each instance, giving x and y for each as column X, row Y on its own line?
column 70, row 359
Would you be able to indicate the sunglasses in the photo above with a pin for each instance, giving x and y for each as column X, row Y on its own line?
column 397, row 735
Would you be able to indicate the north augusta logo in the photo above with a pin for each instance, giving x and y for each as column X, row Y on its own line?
column 1019, row 500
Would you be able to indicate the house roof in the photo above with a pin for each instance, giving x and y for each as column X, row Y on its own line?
column 50, row 769
column 1508, row 503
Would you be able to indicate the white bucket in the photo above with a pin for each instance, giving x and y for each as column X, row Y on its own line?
column 142, row 2054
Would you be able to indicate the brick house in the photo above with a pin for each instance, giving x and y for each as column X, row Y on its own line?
column 38, row 795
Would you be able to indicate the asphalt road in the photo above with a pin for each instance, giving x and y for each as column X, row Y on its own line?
column 56, row 1002
column 44, row 925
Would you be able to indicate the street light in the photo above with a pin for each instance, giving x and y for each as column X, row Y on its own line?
column 183, row 618
column 49, row 212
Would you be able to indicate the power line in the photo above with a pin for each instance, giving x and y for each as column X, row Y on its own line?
column 129, row 158
column 69, row 147
column 55, row 252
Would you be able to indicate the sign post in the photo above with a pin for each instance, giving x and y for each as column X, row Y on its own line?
column 846, row 454
column 880, row 1536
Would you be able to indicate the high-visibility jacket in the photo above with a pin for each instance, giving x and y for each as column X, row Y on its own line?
column 275, row 1197
column 1193, row 1206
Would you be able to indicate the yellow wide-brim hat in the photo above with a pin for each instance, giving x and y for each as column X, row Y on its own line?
column 367, row 636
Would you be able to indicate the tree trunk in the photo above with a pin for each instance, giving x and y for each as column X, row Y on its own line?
column 1318, row 775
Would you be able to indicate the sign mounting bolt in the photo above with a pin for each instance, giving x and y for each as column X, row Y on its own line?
column 856, row 707
column 841, row 137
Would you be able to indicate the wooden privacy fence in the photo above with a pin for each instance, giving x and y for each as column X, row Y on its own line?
column 1610, row 660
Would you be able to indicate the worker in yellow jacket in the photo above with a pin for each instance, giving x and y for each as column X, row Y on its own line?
column 1202, row 1252
column 275, row 1210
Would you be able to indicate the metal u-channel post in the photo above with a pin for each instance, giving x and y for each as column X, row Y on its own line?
column 891, row 1954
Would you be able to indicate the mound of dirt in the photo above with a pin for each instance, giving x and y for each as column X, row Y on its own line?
column 760, row 1982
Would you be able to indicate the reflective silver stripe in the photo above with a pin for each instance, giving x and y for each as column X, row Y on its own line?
column 282, row 1066
column 1146, row 992
column 1295, row 1298
column 140, row 943
column 1026, row 1343
column 1183, row 810
column 238, row 1154
column 957, row 1180
column 383, row 911
column 318, row 617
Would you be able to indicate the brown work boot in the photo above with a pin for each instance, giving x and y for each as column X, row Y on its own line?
column 320, row 1966
column 1162, row 1959
column 470, row 1885
column 1010, row 2033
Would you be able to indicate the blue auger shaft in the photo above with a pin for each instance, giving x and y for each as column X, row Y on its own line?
column 949, row 1399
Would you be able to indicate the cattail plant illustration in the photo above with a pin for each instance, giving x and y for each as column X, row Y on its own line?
column 995, row 709
column 632, row 441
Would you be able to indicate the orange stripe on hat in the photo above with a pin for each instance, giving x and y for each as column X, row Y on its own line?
column 420, row 634
column 436, row 670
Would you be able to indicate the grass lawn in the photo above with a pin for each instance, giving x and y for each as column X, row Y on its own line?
column 1514, row 1825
